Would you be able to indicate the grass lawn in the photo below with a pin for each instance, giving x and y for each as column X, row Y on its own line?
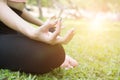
column 97, row 51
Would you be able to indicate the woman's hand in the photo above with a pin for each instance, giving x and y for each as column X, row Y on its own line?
column 43, row 34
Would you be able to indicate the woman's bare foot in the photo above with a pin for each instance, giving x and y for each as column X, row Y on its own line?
column 69, row 63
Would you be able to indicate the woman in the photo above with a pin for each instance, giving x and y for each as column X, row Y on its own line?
column 29, row 49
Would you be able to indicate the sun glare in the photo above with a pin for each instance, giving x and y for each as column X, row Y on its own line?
column 96, row 24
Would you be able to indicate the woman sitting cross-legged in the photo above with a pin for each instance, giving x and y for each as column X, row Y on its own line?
column 26, row 48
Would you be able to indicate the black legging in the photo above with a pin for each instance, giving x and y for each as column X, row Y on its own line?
column 19, row 53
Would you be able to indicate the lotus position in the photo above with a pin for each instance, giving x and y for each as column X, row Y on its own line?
column 29, row 49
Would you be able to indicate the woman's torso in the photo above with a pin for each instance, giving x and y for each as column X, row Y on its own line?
column 17, row 6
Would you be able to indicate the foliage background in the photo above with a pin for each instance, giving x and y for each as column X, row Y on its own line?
column 112, row 5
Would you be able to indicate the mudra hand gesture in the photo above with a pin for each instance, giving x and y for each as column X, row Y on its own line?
column 43, row 34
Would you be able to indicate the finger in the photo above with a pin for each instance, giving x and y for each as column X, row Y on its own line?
column 53, row 17
column 68, row 36
column 51, row 22
column 48, row 24
column 57, row 30
column 54, row 20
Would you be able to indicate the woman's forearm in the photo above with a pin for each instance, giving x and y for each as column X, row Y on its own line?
column 15, row 22
column 28, row 17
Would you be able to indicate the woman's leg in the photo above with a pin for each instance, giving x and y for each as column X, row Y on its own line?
column 21, row 53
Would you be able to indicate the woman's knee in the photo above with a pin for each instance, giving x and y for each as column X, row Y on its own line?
column 58, row 56
column 54, row 58
column 46, row 60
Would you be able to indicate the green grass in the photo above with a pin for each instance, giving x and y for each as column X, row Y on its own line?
column 97, row 52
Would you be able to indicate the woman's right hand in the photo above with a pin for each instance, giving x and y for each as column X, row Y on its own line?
column 40, row 34
column 43, row 34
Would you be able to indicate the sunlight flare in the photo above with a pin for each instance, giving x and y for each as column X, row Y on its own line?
column 97, row 23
